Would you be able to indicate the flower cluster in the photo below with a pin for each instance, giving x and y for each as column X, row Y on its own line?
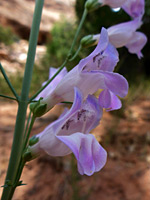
column 71, row 131
column 125, row 34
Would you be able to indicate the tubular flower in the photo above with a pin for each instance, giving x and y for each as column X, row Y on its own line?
column 53, row 83
column 137, row 42
column 71, row 133
column 92, row 73
column 135, row 8
column 124, row 34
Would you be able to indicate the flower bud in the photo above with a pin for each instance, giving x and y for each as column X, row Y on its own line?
column 91, row 5
column 38, row 108
column 87, row 41
column 28, row 155
column 33, row 140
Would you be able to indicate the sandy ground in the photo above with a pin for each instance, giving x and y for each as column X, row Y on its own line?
column 126, row 175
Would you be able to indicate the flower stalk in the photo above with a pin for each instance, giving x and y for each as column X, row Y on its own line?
column 8, row 82
column 23, row 103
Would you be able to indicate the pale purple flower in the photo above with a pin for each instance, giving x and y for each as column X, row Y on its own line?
column 121, row 34
column 109, row 101
column 136, row 43
column 92, row 73
column 53, row 83
column 112, row 3
column 135, row 8
column 71, row 133
column 125, row 34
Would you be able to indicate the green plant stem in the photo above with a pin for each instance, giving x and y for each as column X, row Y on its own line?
column 75, row 55
column 29, row 131
column 85, row 12
column 23, row 103
column 27, row 125
column 68, row 56
column 8, row 82
column 26, row 136
column 48, row 82
column 8, row 97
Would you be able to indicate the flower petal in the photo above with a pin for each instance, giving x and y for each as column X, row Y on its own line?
column 135, row 8
column 77, row 103
column 136, row 43
column 109, row 101
column 120, row 34
column 48, row 141
column 48, row 90
column 116, row 83
column 90, row 155
column 102, row 45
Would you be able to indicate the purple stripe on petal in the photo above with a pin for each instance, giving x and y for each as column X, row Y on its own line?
column 96, row 111
column 74, row 109
column 102, row 45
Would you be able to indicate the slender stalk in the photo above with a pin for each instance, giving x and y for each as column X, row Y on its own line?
column 27, row 125
column 68, row 56
column 48, row 82
column 75, row 55
column 78, row 30
column 29, row 131
column 8, row 82
column 23, row 103
column 26, row 136
column 8, row 97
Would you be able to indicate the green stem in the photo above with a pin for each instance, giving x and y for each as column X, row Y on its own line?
column 78, row 31
column 50, row 80
column 29, row 131
column 27, row 125
column 26, row 136
column 8, row 82
column 23, row 103
column 68, row 56
column 75, row 55
column 8, row 97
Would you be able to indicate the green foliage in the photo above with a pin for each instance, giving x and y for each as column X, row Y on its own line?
column 16, row 82
column 59, row 45
column 7, row 36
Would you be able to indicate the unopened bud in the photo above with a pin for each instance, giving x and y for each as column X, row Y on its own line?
column 91, row 5
column 87, row 41
column 38, row 109
column 28, row 155
column 33, row 140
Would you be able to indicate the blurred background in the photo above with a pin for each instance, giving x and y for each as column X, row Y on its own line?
column 125, row 133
